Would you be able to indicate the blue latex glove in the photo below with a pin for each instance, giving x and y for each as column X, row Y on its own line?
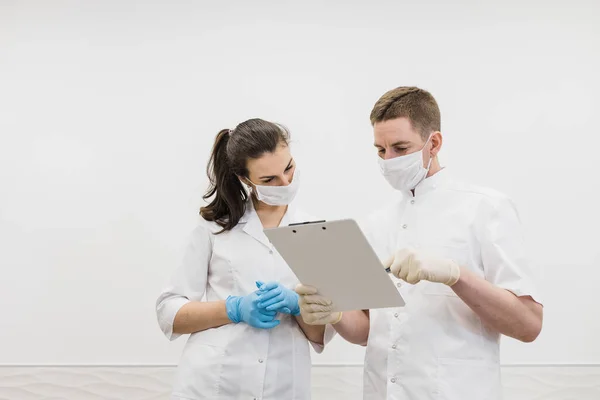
column 245, row 309
column 276, row 297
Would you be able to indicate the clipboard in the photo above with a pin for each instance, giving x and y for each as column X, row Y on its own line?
column 336, row 258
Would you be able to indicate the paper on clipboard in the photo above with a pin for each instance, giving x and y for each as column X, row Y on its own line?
column 336, row 258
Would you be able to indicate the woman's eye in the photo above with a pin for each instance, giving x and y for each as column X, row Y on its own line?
column 267, row 180
column 288, row 168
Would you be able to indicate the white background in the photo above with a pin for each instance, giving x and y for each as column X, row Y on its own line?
column 108, row 110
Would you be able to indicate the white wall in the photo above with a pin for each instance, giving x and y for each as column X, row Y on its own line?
column 108, row 110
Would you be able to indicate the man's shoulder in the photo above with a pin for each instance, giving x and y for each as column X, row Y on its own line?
column 479, row 192
column 382, row 214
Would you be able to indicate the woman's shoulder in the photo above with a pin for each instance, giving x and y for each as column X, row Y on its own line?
column 206, row 227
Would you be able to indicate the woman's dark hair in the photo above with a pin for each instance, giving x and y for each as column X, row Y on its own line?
column 231, row 151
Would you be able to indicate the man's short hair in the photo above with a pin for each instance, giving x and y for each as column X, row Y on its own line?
column 416, row 104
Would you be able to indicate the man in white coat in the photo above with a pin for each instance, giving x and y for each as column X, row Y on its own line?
column 457, row 257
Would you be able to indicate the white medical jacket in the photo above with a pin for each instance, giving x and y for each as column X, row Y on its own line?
column 436, row 347
column 236, row 361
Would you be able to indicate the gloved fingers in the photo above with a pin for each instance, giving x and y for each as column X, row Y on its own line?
column 259, row 284
column 315, row 299
column 399, row 265
column 401, row 271
column 285, row 310
column 270, row 301
column 268, row 324
column 275, row 305
column 266, row 312
column 387, row 263
column 414, row 267
column 315, row 308
column 265, row 317
column 267, row 295
column 303, row 290
column 269, row 286
column 396, row 269
column 414, row 274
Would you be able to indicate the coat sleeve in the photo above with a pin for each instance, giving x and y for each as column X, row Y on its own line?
column 188, row 282
column 503, row 251
column 329, row 334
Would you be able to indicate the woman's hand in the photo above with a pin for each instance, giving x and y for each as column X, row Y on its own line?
column 274, row 297
column 245, row 309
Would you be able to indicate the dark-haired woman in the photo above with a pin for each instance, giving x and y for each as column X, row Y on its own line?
column 231, row 278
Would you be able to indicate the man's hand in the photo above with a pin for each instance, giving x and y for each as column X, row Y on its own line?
column 412, row 266
column 316, row 309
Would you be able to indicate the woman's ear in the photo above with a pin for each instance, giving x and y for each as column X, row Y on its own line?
column 245, row 181
column 436, row 143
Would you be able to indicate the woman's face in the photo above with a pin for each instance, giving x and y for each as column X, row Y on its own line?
column 272, row 169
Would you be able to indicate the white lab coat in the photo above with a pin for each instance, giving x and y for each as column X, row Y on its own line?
column 436, row 347
column 236, row 361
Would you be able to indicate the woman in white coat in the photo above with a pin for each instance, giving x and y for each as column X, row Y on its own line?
column 233, row 292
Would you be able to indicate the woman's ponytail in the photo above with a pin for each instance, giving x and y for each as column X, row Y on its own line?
column 228, row 163
column 229, row 202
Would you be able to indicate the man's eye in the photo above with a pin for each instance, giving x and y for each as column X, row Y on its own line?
column 400, row 149
column 267, row 180
column 381, row 151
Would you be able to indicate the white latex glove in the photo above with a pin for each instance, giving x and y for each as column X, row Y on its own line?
column 412, row 266
column 314, row 308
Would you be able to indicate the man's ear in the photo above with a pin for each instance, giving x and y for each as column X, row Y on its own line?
column 436, row 143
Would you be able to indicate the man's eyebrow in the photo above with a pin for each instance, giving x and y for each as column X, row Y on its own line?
column 401, row 142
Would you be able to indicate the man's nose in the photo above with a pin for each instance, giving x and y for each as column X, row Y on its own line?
column 389, row 154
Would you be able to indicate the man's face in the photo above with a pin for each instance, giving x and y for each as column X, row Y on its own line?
column 397, row 137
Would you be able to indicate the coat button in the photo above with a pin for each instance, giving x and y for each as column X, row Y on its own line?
column 399, row 284
column 412, row 202
column 393, row 380
column 396, row 315
column 260, row 360
column 404, row 226
column 394, row 346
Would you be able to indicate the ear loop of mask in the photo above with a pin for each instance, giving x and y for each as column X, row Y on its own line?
column 430, row 155
column 249, row 189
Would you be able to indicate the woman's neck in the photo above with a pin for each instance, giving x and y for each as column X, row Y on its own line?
column 270, row 216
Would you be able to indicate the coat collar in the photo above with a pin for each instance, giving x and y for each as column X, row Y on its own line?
column 433, row 182
column 252, row 226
